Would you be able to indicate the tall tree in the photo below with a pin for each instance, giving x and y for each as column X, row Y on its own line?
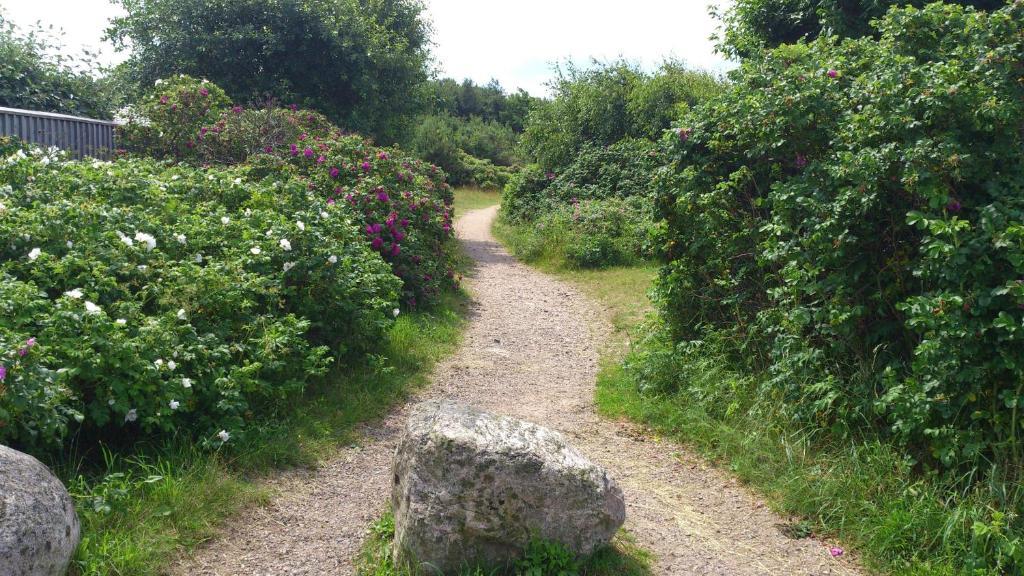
column 357, row 61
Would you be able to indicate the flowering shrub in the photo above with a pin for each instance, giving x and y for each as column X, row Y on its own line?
column 403, row 205
column 859, row 204
column 139, row 296
column 240, row 133
column 169, row 121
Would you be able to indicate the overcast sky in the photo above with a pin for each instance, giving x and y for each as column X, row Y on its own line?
column 515, row 41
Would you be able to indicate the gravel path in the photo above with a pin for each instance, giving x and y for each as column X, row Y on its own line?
column 530, row 351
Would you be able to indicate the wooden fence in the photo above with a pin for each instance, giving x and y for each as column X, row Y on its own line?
column 80, row 136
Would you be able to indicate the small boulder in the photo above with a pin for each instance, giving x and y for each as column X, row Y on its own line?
column 472, row 489
column 38, row 526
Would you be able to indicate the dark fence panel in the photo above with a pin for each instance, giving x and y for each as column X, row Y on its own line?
column 80, row 136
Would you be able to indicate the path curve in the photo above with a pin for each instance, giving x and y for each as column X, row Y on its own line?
column 530, row 351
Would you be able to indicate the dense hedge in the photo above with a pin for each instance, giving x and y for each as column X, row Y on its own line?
column 621, row 170
column 602, row 104
column 139, row 296
column 859, row 205
column 403, row 204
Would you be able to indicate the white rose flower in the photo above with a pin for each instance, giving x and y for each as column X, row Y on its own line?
column 76, row 293
column 91, row 308
column 180, row 238
column 396, row 312
column 285, row 245
column 146, row 239
column 186, row 382
column 181, row 313
column 255, row 250
column 171, row 365
column 120, row 321
column 34, row 253
column 159, row 362
column 174, row 404
column 333, row 259
column 301, row 225
column 199, row 258
column 238, row 180
column 223, row 435
column 225, row 220
column 324, row 215
column 70, row 244
column 288, row 266
column 131, row 416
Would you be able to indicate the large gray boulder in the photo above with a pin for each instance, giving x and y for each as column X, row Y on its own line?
column 472, row 489
column 38, row 526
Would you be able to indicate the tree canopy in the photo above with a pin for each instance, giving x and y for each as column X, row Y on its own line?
column 357, row 61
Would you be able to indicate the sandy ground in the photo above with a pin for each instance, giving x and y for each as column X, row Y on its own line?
column 530, row 351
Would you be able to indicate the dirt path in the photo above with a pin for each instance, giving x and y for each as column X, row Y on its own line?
column 530, row 351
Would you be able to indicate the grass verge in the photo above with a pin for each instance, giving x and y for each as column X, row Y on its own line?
column 140, row 512
column 621, row 558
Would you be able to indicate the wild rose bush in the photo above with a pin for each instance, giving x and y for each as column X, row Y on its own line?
column 858, row 206
column 164, row 299
column 169, row 121
column 403, row 205
column 241, row 133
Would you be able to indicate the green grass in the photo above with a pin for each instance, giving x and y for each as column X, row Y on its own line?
column 467, row 199
column 861, row 492
column 621, row 558
column 140, row 512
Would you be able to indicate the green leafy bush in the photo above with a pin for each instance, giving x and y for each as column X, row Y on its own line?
column 857, row 205
column 142, row 297
column 525, row 194
column 621, row 170
column 471, row 151
column 606, row 103
column 752, row 25
column 36, row 73
column 596, row 233
column 404, row 205
column 168, row 122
